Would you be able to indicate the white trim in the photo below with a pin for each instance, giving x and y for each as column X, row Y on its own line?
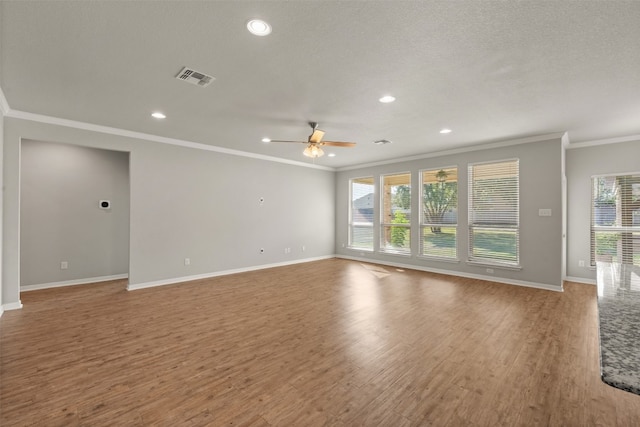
column 12, row 306
column 605, row 141
column 4, row 104
column 499, row 144
column 459, row 274
column 88, row 280
column 1, row 310
column 174, row 280
column 580, row 280
column 155, row 138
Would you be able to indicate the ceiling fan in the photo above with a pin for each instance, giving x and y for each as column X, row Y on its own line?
column 315, row 142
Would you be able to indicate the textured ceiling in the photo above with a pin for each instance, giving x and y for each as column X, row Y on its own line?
column 488, row 70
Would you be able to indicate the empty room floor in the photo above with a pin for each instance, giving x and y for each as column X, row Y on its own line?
column 333, row 342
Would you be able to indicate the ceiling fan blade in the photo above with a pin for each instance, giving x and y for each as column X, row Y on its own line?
column 297, row 142
column 316, row 136
column 338, row 144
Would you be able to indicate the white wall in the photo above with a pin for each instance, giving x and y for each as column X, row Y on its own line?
column 190, row 203
column 582, row 164
column 540, row 188
column 60, row 218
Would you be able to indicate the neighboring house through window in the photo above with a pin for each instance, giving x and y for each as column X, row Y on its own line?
column 361, row 213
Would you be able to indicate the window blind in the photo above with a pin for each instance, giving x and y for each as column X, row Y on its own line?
column 615, row 219
column 361, row 213
column 494, row 212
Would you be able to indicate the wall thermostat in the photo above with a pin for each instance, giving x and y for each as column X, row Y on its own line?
column 105, row 204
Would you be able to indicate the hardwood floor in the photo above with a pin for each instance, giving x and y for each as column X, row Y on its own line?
column 332, row 342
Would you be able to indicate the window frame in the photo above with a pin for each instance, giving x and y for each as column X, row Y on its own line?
column 617, row 229
column 422, row 224
column 351, row 223
column 473, row 225
column 382, row 224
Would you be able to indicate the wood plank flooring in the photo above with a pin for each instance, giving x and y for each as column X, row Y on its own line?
column 334, row 342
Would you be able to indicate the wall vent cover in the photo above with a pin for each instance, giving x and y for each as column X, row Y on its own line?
column 192, row 76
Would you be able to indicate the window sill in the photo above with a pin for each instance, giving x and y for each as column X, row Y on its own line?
column 400, row 254
column 439, row 259
column 353, row 248
column 498, row 266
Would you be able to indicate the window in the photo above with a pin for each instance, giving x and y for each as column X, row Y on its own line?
column 439, row 213
column 361, row 214
column 395, row 234
column 615, row 219
column 493, row 213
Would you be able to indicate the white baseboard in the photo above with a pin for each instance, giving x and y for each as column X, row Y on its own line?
column 580, row 280
column 12, row 306
column 174, row 280
column 459, row 274
column 27, row 288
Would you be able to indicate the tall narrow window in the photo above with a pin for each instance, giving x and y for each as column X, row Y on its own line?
column 439, row 218
column 494, row 213
column 361, row 213
column 615, row 219
column 395, row 233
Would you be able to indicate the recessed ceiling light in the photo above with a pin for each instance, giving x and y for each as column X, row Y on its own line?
column 158, row 115
column 331, row 154
column 387, row 99
column 266, row 140
column 258, row 27
column 445, row 130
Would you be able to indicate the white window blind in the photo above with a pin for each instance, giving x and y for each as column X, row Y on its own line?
column 439, row 213
column 494, row 213
column 395, row 221
column 361, row 213
column 615, row 219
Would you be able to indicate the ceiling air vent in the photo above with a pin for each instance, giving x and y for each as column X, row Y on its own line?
column 194, row 77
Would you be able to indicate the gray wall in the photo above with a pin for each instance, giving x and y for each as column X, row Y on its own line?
column 60, row 219
column 1, row 200
column 186, row 202
column 540, row 187
column 582, row 164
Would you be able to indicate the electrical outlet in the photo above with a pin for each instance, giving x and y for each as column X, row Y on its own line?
column 581, row 263
column 187, row 261
column 490, row 270
column 64, row 265
column 303, row 248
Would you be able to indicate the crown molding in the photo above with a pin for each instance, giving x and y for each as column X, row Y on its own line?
column 498, row 144
column 606, row 141
column 40, row 118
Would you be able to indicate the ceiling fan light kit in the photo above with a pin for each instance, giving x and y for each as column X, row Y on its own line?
column 313, row 151
column 315, row 142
